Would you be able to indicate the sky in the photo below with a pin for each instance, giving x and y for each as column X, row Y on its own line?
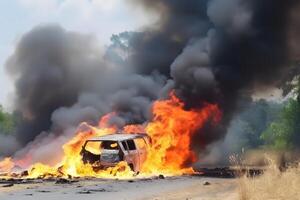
column 101, row 18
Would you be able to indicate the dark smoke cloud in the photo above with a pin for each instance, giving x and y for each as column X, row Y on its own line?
column 51, row 68
column 62, row 79
column 243, row 42
column 156, row 48
column 246, row 43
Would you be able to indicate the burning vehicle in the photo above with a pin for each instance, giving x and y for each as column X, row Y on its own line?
column 108, row 151
column 104, row 152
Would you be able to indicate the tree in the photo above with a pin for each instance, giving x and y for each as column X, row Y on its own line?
column 284, row 133
column 7, row 122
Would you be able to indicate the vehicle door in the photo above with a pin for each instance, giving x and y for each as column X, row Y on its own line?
column 142, row 150
column 133, row 155
column 91, row 152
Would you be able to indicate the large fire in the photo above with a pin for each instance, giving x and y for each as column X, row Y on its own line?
column 171, row 131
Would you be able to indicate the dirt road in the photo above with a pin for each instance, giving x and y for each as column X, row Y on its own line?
column 185, row 187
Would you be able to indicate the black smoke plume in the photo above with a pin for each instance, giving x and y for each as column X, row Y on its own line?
column 230, row 46
column 62, row 79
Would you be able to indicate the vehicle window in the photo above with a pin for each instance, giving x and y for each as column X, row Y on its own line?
column 140, row 142
column 125, row 145
column 110, row 145
column 93, row 147
column 131, row 145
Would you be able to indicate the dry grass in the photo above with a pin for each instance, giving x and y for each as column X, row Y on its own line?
column 272, row 185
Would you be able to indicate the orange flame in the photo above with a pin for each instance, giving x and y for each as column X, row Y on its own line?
column 6, row 165
column 134, row 129
column 171, row 131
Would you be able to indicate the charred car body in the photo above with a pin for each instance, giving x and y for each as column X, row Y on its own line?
column 109, row 150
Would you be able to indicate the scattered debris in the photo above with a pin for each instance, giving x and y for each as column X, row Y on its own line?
column 98, row 190
column 207, row 183
column 84, row 192
column 43, row 191
column 216, row 172
column 161, row 176
column 8, row 185
column 63, row 181
column 89, row 191
column 146, row 179
column 24, row 173
column 227, row 172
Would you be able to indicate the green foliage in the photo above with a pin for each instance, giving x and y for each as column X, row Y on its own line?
column 7, row 122
column 283, row 133
column 256, row 120
column 246, row 128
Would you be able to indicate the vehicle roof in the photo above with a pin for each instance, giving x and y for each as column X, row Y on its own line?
column 119, row 137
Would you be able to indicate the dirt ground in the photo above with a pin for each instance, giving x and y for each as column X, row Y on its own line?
column 181, row 188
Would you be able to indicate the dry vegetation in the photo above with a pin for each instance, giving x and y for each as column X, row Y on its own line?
column 272, row 185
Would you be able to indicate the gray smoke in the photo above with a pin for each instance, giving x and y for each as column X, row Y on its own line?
column 243, row 132
column 234, row 16
column 8, row 145
column 63, row 79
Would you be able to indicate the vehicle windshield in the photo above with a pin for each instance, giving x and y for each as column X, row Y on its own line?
column 109, row 145
column 96, row 147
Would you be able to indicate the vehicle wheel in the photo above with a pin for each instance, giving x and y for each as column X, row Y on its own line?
column 131, row 167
